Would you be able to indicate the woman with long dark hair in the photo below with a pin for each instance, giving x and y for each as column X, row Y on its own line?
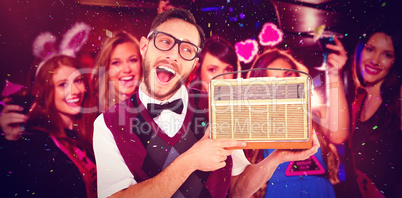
column 376, row 126
column 217, row 57
column 54, row 155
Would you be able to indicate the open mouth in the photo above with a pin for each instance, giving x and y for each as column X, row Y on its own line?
column 372, row 70
column 127, row 80
column 165, row 74
column 73, row 102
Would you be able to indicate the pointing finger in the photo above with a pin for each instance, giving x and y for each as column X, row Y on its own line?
column 232, row 144
column 207, row 134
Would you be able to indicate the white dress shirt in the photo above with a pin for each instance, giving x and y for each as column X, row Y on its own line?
column 169, row 121
column 113, row 174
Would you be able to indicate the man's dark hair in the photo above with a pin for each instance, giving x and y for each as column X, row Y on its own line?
column 178, row 13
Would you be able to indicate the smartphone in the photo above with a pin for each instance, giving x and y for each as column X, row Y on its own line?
column 23, row 101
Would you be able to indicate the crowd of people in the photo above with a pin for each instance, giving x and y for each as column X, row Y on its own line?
column 137, row 124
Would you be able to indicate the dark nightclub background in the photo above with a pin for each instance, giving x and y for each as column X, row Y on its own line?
column 22, row 20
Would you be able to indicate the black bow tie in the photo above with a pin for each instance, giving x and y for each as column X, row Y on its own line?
column 155, row 110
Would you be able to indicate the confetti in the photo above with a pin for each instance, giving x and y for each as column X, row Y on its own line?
column 109, row 33
column 318, row 32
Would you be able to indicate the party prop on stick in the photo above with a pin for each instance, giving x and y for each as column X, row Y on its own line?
column 270, row 35
column 246, row 50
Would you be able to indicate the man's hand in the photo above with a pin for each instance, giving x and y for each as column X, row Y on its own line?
column 205, row 155
column 286, row 155
column 210, row 155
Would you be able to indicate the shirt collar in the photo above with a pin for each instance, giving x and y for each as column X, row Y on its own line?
column 181, row 93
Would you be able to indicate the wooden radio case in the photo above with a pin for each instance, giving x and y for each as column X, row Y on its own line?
column 266, row 112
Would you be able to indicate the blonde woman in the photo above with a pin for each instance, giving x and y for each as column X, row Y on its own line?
column 313, row 183
column 117, row 69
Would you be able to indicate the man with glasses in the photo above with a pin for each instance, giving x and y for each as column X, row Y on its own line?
column 156, row 144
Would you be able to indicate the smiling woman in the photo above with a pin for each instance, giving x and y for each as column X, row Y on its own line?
column 376, row 137
column 69, row 91
column 117, row 69
column 54, row 156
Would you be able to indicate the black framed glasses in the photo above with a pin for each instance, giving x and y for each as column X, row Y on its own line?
column 165, row 42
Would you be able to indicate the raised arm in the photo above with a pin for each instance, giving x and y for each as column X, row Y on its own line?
column 334, row 119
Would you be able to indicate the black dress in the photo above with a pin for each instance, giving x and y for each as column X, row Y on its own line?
column 378, row 157
column 35, row 167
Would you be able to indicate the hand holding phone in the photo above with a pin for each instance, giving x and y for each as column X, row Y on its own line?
column 12, row 121
column 23, row 101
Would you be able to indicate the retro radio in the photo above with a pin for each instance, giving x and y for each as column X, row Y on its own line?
column 265, row 112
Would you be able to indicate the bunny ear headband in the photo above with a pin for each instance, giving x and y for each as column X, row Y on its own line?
column 44, row 45
column 270, row 35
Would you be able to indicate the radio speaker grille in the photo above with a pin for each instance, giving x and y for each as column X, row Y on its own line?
column 260, row 109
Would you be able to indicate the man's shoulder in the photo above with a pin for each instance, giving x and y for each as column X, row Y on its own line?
column 125, row 105
column 123, row 110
